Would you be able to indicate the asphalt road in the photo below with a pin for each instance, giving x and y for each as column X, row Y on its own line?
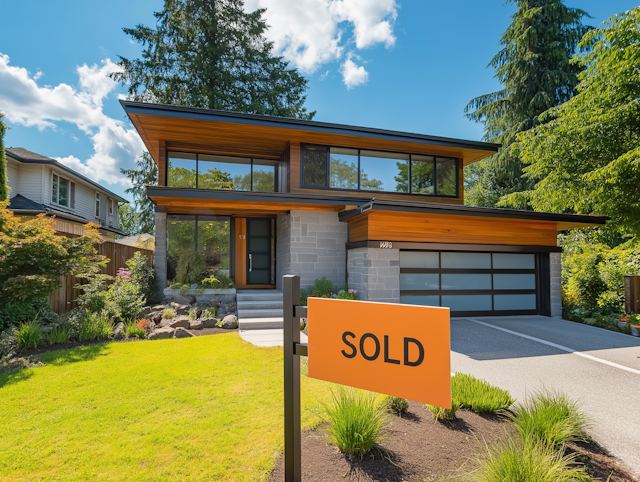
column 526, row 353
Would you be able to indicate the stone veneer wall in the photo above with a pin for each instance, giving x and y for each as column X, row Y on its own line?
column 375, row 273
column 160, row 254
column 311, row 244
column 555, row 271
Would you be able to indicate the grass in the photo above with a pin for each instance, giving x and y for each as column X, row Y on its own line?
column 510, row 460
column 194, row 409
column 396, row 405
column 94, row 326
column 355, row 420
column 29, row 334
column 443, row 414
column 478, row 395
column 549, row 418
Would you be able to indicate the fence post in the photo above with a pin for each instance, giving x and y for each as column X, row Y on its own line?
column 292, row 438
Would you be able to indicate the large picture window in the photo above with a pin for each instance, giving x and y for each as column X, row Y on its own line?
column 366, row 170
column 205, row 171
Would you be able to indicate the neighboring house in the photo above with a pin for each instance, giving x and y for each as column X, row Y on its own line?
column 144, row 241
column 43, row 185
column 381, row 210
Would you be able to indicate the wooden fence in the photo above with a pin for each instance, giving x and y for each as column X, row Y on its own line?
column 64, row 299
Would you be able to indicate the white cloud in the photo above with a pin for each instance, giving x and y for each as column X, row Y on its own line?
column 25, row 102
column 353, row 74
column 310, row 33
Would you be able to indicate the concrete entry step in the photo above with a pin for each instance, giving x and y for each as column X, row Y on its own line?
column 268, row 337
column 259, row 295
column 266, row 305
column 256, row 304
column 258, row 312
column 260, row 323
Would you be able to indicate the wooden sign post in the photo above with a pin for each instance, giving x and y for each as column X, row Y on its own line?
column 395, row 349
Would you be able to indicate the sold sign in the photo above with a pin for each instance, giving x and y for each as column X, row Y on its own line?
column 399, row 350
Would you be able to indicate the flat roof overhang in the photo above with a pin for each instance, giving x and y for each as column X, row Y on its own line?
column 187, row 200
column 208, row 130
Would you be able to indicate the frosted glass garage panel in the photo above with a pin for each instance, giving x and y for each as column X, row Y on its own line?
column 513, row 261
column 466, row 281
column 514, row 302
column 467, row 302
column 514, row 281
column 419, row 259
column 419, row 281
column 466, row 260
column 424, row 300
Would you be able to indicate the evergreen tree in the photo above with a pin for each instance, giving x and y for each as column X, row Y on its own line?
column 4, row 188
column 536, row 72
column 141, row 217
column 212, row 54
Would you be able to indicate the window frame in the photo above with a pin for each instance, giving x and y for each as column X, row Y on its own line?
column 57, row 201
column 110, row 204
column 97, row 205
column 359, row 189
column 251, row 158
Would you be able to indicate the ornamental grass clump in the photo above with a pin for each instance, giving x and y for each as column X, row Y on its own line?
column 441, row 414
column 478, row 395
column 29, row 334
column 549, row 418
column 94, row 326
column 59, row 334
column 133, row 330
column 511, row 460
column 355, row 421
column 168, row 313
column 396, row 405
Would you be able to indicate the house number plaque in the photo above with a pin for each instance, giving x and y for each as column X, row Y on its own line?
column 386, row 244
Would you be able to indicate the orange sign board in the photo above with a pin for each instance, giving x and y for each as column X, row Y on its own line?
column 399, row 350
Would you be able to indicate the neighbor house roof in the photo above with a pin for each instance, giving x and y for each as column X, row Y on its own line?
column 25, row 156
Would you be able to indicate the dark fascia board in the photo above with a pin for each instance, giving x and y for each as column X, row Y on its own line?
column 462, row 210
column 485, row 248
column 59, row 165
column 167, row 110
column 284, row 197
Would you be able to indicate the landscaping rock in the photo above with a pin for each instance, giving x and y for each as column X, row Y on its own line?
column 118, row 331
column 215, row 301
column 180, row 322
column 184, row 299
column 230, row 322
column 157, row 317
column 157, row 308
column 161, row 334
column 209, row 322
column 182, row 333
column 196, row 325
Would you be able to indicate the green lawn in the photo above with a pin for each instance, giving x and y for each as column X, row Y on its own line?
column 202, row 408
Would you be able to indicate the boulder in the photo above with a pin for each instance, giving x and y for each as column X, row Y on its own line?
column 230, row 322
column 161, row 334
column 184, row 299
column 182, row 333
column 180, row 322
column 157, row 317
column 215, row 301
column 196, row 325
column 209, row 322
column 118, row 331
column 157, row 308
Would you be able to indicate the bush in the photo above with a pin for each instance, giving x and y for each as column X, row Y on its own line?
column 17, row 312
column 549, row 418
column 355, row 421
column 478, row 395
column 397, row 405
column 124, row 301
column 209, row 313
column 511, row 460
column 132, row 330
column 443, row 414
column 168, row 313
column 92, row 326
column 143, row 275
column 7, row 343
column 29, row 334
column 59, row 334
column 219, row 281
column 347, row 295
column 144, row 324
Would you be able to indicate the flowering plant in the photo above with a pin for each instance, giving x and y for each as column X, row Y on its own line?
column 124, row 275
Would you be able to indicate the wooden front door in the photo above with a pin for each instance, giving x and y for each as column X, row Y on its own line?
column 254, row 253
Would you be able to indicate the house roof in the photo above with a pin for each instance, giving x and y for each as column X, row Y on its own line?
column 25, row 156
column 23, row 205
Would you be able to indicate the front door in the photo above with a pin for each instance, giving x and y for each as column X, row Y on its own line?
column 259, row 261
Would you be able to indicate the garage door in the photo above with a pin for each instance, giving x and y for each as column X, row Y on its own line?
column 472, row 283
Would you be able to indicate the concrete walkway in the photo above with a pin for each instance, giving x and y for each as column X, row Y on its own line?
column 271, row 337
column 600, row 368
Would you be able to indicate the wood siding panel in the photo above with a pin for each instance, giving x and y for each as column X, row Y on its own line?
column 241, row 253
column 441, row 228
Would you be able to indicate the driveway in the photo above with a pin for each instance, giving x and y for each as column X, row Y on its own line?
column 598, row 367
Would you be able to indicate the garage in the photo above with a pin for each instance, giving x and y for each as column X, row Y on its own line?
column 477, row 283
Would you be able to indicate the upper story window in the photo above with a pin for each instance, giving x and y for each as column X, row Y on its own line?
column 365, row 170
column 205, row 171
column 110, row 206
column 60, row 191
column 97, row 205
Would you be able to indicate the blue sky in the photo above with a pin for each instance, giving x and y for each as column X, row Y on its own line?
column 403, row 65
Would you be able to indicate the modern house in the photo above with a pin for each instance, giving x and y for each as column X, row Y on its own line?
column 40, row 184
column 259, row 197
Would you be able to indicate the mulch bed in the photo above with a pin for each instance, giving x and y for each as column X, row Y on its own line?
column 425, row 451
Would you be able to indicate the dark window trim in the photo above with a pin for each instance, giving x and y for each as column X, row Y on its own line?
column 359, row 188
column 468, row 271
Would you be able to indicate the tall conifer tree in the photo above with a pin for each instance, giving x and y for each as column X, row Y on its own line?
column 4, row 188
column 535, row 71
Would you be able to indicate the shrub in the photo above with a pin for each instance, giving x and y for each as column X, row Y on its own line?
column 443, row 414
column 144, row 324
column 322, row 288
column 397, row 405
column 219, row 281
column 132, row 330
column 355, row 421
column 511, row 460
column 124, row 301
column 17, row 312
column 143, row 275
column 209, row 313
column 347, row 295
column 29, row 334
column 478, row 395
column 92, row 326
column 549, row 418
column 7, row 343
column 168, row 313
column 59, row 334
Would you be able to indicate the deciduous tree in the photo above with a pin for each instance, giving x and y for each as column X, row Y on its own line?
column 4, row 187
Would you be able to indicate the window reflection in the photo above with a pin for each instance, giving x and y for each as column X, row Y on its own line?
column 315, row 166
column 422, row 174
column 446, row 176
column 264, row 175
column 182, row 170
column 384, row 171
column 344, row 168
